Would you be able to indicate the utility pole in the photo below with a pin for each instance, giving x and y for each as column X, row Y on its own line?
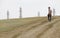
column 38, row 14
column 20, row 13
column 53, row 3
column 7, row 15
column 53, row 12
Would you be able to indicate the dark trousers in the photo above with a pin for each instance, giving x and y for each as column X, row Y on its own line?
column 49, row 17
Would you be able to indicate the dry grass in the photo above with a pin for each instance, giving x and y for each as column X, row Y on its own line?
column 8, row 25
column 23, row 25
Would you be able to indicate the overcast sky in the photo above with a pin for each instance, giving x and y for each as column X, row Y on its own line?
column 30, row 8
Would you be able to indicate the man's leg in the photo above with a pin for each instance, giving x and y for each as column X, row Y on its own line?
column 49, row 18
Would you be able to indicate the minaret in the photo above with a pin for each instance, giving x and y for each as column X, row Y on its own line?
column 20, row 13
column 7, row 14
column 53, row 12
column 38, row 14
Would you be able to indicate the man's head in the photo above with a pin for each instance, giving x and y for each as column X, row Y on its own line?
column 48, row 7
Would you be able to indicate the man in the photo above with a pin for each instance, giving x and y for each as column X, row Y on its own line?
column 49, row 14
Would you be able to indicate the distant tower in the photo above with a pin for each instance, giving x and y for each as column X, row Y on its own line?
column 38, row 14
column 20, row 13
column 53, row 12
column 7, row 14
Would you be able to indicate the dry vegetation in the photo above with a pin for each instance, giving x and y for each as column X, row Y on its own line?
column 37, row 27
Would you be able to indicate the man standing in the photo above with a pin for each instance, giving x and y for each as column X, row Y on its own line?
column 49, row 14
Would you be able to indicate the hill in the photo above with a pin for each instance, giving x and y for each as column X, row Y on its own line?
column 36, row 27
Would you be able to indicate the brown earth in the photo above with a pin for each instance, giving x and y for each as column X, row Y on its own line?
column 30, row 28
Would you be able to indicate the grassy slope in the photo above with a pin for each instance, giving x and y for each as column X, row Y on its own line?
column 6, row 25
column 25, row 23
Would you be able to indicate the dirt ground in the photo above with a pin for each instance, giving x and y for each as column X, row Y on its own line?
column 39, row 28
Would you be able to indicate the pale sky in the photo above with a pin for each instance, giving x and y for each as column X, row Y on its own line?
column 30, row 8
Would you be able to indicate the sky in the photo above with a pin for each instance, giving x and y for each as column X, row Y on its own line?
column 30, row 8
